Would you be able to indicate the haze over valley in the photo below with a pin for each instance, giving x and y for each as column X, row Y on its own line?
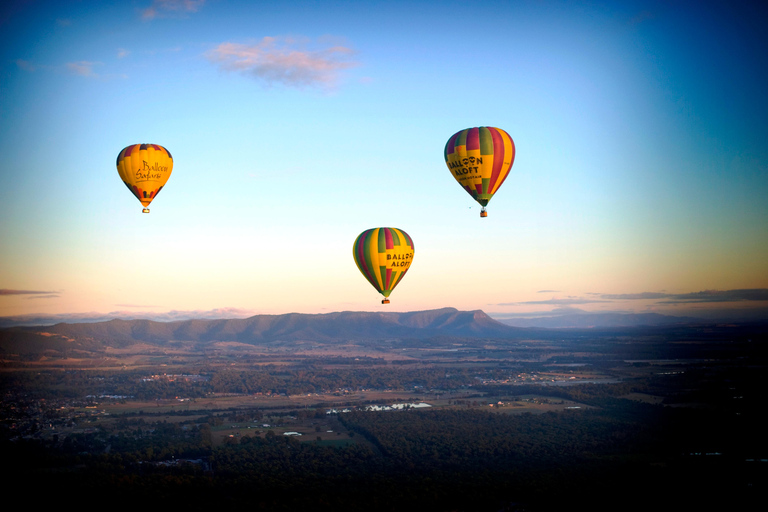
column 375, row 408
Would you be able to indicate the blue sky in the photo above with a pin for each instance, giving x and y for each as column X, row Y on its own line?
column 640, row 180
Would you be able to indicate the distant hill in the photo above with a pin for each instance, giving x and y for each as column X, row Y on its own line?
column 597, row 320
column 270, row 328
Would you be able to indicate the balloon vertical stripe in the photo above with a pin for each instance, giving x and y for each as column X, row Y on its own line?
column 498, row 160
column 395, row 237
column 509, row 152
column 408, row 240
column 473, row 139
column 362, row 261
column 462, row 140
column 390, row 244
column 369, row 260
column 486, row 140
column 450, row 146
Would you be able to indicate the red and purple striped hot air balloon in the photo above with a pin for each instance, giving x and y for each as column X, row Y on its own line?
column 480, row 159
column 383, row 255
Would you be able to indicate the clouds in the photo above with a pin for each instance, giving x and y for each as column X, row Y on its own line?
column 568, row 301
column 169, row 316
column 163, row 8
column 6, row 291
column 87, row 69
column 33, row 294
column 284, row 61
column 634, row 296
column 295, row 61
column 645, row 308
column 83, row 68
column 25, row 65
column 708, row 296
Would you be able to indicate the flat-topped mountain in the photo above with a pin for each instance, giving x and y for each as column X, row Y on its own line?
column 346, row 325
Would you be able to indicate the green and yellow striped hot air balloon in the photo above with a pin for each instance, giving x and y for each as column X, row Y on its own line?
column 383, row 255
column 145, row 169
column 480, row 159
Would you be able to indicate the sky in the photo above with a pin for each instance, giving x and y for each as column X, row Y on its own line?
column 640, row 182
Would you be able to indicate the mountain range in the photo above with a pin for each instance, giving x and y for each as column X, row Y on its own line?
column 259, row 329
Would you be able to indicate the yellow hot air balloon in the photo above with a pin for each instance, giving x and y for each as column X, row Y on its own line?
column 383, row 255
column 144, row 168
column 480, row 159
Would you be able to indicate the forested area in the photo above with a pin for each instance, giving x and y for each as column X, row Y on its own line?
column 622, row 452
column 701, row 445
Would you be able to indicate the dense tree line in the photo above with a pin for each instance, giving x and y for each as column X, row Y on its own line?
column 440, row 460
column 455, row 439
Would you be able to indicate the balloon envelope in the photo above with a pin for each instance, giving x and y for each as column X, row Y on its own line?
column 383, row 255
column 144, row 168
column 480, row 159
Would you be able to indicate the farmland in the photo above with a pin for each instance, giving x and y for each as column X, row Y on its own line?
column 479, row 425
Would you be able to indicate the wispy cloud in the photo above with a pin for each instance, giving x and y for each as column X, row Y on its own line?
column 634, row 296
column 739, row 295
column 212, row 314
column 284, row 61
column 743, row 295
column 706, row 296
column 163, row 8
column 568, row 301
column 169, row 316
column 6, row 291
column 122, row 52
column 25, row 65
column 83, row 68
column 565, row 310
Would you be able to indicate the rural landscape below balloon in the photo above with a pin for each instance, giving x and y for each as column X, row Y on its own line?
column 385, row 256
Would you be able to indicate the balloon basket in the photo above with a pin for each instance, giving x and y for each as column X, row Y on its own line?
column 385, row 301
column 145, row 210
column 483, row 213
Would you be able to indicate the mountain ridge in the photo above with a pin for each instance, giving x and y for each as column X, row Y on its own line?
column 257, row 329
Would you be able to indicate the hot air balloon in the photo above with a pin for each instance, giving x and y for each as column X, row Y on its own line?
column 144, row 168
column 480, row 160
column 383, row 255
